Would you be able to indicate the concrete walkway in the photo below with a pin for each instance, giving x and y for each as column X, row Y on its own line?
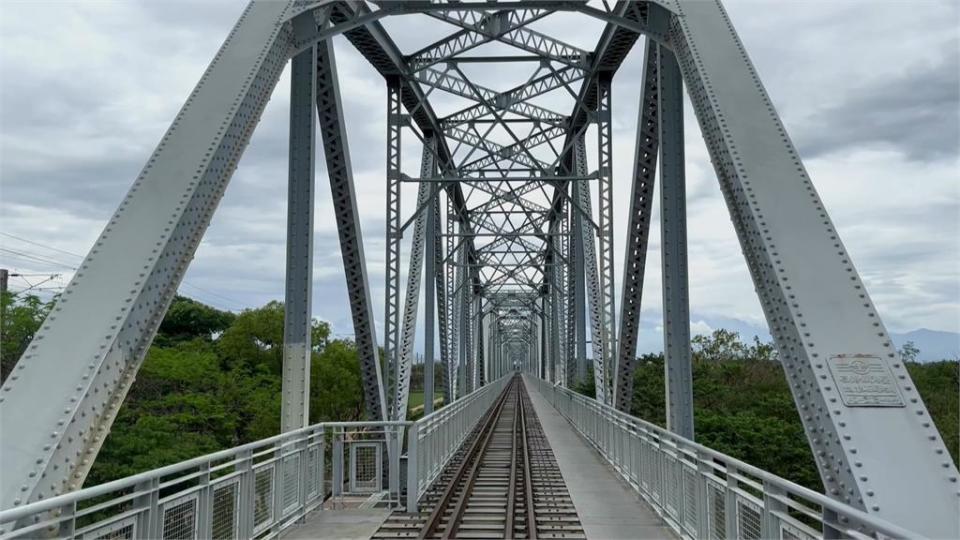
column 352, row 524
column 608, row 509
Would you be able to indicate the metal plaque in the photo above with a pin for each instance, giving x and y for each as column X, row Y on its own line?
column 865, row 381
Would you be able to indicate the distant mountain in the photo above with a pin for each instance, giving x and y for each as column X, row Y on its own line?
column 933, row 344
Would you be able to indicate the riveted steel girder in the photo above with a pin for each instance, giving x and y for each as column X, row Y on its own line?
column 298, row 315
column 334, row 136
column 638, row 225
column 88, row 351
column 871, row 434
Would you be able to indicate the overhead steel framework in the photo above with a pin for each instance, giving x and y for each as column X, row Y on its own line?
column 515, row 262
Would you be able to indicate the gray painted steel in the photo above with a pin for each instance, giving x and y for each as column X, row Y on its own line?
column 638, row 225
column 298, row 315
column 678, row 373
column 87, row 353
column 510, row 277
column 334, row 136
column 819, row 312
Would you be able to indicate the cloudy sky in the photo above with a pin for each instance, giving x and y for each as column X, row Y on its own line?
column 868, row 90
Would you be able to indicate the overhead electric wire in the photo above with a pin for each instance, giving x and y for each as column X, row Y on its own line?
column 40, row 258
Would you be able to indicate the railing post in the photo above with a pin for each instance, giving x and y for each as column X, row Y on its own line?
column 393, row 455
column 770, row 524
column 245, row 497
column 148, row 521
column 413, row 470
column 303, row 453
column 204, row 520
column 322, row 466
column 336, row 488
column 68, row 523
column 278, row 480
column 703, row 496
column 730, row 503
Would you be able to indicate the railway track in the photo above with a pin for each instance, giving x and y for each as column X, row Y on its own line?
column 503, row 483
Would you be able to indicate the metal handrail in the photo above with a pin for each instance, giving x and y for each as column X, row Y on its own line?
column 259, row 488
column 435, row 438
column 264, row 486
column 703, row 493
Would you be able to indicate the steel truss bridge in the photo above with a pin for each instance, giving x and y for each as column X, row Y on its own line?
column 511, row 240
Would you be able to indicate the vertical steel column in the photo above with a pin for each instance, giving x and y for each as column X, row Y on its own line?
column 542, row 331
column 295, row 405
column 443, row 299
column 572, row 360
column 467, row 310
column 563, row 296
column 555, row 293
column 673, row 229
column 579, row 279
column 337, row 154
column 605, row 234
column 453, row 279
column 459, row 320
column 430, row 284
column 481, row 348
column 638, row 226
column 590, row 274
column 391, row 326
column 414, row 274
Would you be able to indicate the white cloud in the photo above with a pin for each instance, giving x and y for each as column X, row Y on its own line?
column 83, row 108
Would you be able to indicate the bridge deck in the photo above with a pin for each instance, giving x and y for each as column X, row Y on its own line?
column 352, row 524
column 607, row 508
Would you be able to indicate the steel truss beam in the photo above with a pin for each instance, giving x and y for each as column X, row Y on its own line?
column 492, row 26
column 88, row 351
column 391, row 325
column 638, row 225
column 412, row 301
column 334, row 137
column 298, row 315
column 522, row 38
column 591, row 276
column 872, row 443
column 678, row 372
column 511, row 101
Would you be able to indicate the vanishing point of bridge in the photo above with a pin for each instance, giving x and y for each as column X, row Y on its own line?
column 510, row 237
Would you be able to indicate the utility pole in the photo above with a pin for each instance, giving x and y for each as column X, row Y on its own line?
column 4, row 279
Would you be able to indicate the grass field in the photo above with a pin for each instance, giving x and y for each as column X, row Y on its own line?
column 416, row 399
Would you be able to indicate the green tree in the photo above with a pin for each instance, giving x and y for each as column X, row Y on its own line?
column 909, row 352
column 188, row 319
column 255, row 339
column 718, row 346
column 20, row 317
column 336, row 390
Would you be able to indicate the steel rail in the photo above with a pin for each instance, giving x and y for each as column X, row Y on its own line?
column 457, row 516
column 530, row 510
column 473, row 455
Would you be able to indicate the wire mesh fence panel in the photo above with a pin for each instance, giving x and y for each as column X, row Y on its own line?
column 671, row 486
column 313, row 472
column 716, row 511
column 651, row 467
column 748, row 520
column 366, row 458
column 291, row 483
column 180, row 519
column 789, row 532
column 225, row 511
column 262, row 498
column 121, row 530
column 689, row 499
